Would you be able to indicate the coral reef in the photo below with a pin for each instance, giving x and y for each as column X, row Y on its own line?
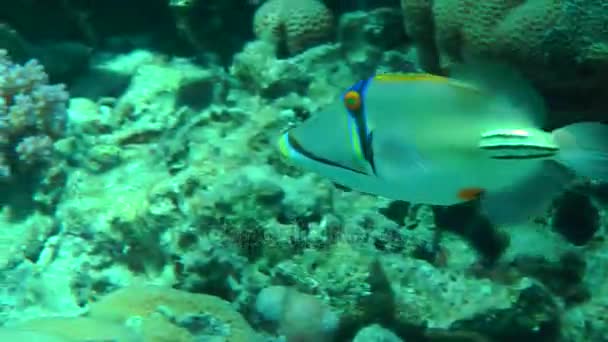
column 561, row 45
column 142, row 313
column 363, row 40
column 32, row 116
column 298, row 25
column 214, row 40
column 532, row 34
column 173, row 217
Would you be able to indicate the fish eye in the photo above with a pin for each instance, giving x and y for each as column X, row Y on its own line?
column 352, row 100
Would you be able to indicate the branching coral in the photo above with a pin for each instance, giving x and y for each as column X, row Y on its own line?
column 32, row 115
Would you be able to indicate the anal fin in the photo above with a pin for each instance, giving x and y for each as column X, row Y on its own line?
column 529, row 197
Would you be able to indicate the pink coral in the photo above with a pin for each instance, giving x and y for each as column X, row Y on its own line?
column 298, row 24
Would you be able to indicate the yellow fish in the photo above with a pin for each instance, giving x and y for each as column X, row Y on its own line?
column 441, row 141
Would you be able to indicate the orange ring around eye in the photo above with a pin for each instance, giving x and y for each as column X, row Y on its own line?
column 352, row 100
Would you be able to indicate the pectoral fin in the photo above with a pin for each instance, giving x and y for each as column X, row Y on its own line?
column 394, row 156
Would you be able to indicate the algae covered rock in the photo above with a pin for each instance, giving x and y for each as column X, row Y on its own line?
column 533, row 317
column 576, row 217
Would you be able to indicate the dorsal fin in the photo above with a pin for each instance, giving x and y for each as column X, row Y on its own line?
column 425, row 77
column 507, row 86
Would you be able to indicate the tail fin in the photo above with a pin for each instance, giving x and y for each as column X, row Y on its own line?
column 584, row 149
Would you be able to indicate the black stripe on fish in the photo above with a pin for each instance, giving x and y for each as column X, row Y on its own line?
column 519, row 147
column 506, row 151
column 528, row 156
column 298, row 148
column 370, row 153
column 504, row 135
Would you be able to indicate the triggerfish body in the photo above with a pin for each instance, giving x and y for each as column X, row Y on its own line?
column 422, row 138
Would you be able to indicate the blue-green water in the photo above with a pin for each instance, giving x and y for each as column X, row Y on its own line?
column 143, row 196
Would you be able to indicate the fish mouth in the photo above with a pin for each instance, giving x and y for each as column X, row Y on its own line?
column 293, row 143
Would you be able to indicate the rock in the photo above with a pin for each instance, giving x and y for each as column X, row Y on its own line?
column 376, row 333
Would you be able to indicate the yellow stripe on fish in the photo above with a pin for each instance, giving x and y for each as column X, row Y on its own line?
column 356, row 142
column 410, row 77
column 283, row 146
column 414, row 77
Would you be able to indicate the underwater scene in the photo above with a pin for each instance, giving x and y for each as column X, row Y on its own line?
column 232, row 171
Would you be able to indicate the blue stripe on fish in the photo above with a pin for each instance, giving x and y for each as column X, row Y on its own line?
column 357, row 123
